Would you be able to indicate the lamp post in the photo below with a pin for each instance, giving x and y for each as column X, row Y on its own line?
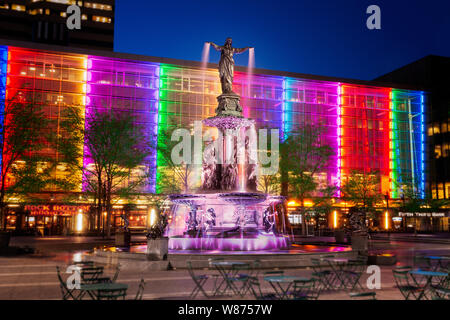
column 386, row 196
column 404, row 220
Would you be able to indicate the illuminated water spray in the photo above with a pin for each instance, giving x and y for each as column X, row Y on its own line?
column 228, row 213
column 205, row 55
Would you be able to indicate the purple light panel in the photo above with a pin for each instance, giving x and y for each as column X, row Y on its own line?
column 121, row 85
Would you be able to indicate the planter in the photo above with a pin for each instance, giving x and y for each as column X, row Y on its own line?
column 123, row 239
column 158, row 249
column 339, row 235
column 360, row 243
column 4, row 239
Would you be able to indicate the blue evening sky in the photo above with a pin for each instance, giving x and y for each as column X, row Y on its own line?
column 323, row 37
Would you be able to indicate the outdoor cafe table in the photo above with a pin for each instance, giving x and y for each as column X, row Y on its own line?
column 338, row 266
column 437, row 262
column 229, row 270
column 94, row 289
column 427, row 289
column 281, row 284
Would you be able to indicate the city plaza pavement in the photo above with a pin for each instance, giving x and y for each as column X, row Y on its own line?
column 34, row 276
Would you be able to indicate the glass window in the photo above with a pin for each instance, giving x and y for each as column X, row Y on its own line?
column 436, row 128
column 18, row 7
column 437, row 151
column 446, row 150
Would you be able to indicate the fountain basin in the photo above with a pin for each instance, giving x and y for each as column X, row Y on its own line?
column 258, row 243
column 234, row 221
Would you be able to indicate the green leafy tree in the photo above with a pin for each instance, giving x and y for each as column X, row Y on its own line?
column 68, row 142
column 411, row 198
column 173, row 177
column 118, row 150
column 270, row 184
column 303, row 157
column 362, row 189
column 23, row 134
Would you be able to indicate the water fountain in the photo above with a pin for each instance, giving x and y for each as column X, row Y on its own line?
column 228, row 214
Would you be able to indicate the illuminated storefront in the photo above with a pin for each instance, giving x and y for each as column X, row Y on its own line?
column 370, row 128
column 60, row 219
column 425, row 221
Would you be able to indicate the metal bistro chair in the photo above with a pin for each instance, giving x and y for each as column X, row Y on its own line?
column 274, row 273
column 217, row 278
column 199, row 281
column 240, row 274
column 403, row 284
column 322, row 273
column 421, row 261
column 255, row 288
column 66, row 292
column 84, row 263
column 441, row 293
column 306, row 289
column 109, row 279
column 112, row 294
column 253, row 272
column 353, row 273
column 140, row 291
column 91, row 274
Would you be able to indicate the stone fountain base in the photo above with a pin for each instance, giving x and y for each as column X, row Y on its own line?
column 295, row 257
column 233, row 221
column 230, row 244
column 229, row 105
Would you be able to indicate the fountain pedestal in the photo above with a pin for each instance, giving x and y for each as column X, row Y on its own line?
column 229, row 105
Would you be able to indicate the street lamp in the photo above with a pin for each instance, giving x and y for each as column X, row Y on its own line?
column 386, row 214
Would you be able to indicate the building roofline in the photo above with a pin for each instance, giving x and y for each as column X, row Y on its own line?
column 197, row 64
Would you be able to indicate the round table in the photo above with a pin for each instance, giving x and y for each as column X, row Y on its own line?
column 281, row 284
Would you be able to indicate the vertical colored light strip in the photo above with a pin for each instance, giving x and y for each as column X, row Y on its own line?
column 284, row 111
column 422, row 153
column 392, row 175
column 83, row 112
column 339, row 137
column 107, row 88
column 153, row 187
column 162, row 115
column 87, row 109
column 335, row 219
column 3, row 73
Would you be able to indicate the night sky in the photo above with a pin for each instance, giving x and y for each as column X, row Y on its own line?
column 322, row 37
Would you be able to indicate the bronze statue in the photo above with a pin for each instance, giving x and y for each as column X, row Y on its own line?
column 226, row 63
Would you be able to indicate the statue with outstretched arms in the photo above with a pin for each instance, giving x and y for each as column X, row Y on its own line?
column 226, row 63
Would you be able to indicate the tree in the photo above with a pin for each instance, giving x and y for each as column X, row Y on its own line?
column 303, row 157
column 362, row 189
column 23, row 134
column 412, row 200
column 269, row 184
column 118, row 151
column 173, row 177
column 68, row 142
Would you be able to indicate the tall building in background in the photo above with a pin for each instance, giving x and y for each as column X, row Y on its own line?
column 44, row 21
column 370, row 127
column 432, row 73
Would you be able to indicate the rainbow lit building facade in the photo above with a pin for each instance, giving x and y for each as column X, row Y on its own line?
column 370, row 127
